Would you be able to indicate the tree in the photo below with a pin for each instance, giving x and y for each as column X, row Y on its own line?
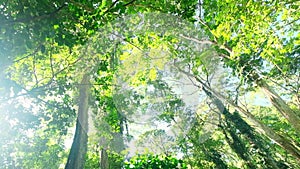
column 275, row 49
column 63, row 63
column 78, row 150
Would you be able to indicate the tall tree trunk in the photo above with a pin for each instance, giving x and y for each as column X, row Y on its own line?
column 234, row 121
column 104, row 163
column 281, row 105
column 247, row 131
column 280, row 140
column 78, row 150
column 262, row 128
column 255, row 139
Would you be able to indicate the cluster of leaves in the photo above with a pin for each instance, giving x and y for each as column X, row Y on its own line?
column 150, row 161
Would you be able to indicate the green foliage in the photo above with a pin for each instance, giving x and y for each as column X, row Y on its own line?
column 44, row 52
column 154, row 161
column 92, row 160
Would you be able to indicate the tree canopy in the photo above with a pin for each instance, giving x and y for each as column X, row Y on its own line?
column 149, row 84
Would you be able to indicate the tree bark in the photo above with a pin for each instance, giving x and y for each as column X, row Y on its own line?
column 280, row 140
column 104, row 163
column 281, row 105
column 76, row 159
column 276, row 101
column 283, row 142
column 247, row 131
column 255, row 138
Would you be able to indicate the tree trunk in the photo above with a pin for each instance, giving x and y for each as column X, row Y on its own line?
column 78, row 150
column 104, row 163
column 256, row 139
column 283, row 142
column 281, row 105
column 249, row 133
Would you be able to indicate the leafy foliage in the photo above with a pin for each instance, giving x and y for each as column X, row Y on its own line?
column 154, row 161
column 200, row 69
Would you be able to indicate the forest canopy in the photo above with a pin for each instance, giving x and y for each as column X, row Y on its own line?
column 149, row 84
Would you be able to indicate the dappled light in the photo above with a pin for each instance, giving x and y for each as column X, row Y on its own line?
column 149, row 84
